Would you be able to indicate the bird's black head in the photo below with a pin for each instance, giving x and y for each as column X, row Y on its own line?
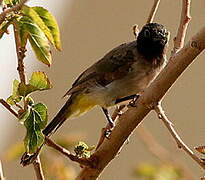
column 151, row 40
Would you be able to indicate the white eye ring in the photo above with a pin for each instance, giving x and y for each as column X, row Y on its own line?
column 146, row 33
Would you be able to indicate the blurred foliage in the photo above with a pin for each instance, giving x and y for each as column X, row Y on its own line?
column 54, row 164
column 201, row 149
column 158, row 172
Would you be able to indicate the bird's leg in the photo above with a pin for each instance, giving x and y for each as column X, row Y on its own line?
column 108, row 117
column 110, row 121
column 133, row 99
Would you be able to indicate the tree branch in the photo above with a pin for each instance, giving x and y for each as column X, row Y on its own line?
column 38, row 169
column 20, row 53
column 153, row 94
column 1, row 172
column 176, row 137
column 65, row 152
column 8, row 107
column 185, row 19
column 153, row 11
column 12, row 9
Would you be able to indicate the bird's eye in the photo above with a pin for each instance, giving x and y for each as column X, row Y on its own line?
column 146, row 33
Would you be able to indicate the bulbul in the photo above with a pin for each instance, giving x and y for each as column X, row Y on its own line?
column 119, row 76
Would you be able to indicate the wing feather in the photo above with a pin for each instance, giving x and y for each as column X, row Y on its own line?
column 114, row 65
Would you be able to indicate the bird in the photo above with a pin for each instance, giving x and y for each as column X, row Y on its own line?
column 118, row 77
column 121, row 75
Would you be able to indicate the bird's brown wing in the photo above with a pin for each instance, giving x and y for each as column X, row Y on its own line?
column 114, row 65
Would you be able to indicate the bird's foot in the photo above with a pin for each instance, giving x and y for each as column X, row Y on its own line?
column 109, row 129
column 132, row 103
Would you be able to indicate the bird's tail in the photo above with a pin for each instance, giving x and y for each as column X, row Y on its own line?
column 75, row 106
column 59, row 119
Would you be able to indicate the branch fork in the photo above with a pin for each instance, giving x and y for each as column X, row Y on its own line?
column 90, row 162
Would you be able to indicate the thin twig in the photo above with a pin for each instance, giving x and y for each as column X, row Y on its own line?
column 8, row 107
column 185, row 19
column 161, row 152
column 38, row 169
column 12, row 9
column 20, row 53
column 153, row 11
column 176, row 137
column 1, row 2
column 81, row 161
column 1, row 172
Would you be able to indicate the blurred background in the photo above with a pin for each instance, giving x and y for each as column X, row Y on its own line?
column 89, row 29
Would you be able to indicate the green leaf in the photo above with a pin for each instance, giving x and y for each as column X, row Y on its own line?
column 38, row 82
column 23, row 33
column 24, row 115
column 41, row 110
column 35, row 122
column 146, row 170
column 168, row 172
column 39, row 42
column 50, row 21
column 25, row 89
column 34, row 16
column 15, row 2
column 159, row 172
column 15, row 97
column 8, row 2
column 83, row 150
